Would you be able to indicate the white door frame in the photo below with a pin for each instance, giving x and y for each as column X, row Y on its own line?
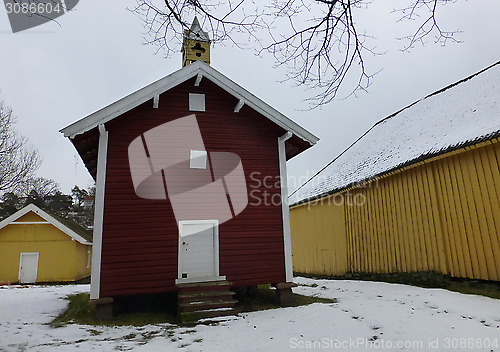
column 21, row 262
column 215, row 224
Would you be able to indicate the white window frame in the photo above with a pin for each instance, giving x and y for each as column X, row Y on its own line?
column 198, row 159
column 196, row 102
column 88, row 258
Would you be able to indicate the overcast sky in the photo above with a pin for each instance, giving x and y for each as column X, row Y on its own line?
column 53, row 75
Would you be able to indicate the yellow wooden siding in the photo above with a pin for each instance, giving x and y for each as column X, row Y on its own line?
column 321, row 248
column 60, row 257
column 441, row 215
column 30, row 217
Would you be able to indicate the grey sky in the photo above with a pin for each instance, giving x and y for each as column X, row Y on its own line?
column 54, row 75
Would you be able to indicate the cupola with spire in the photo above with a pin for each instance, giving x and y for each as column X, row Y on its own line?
column 195, row 45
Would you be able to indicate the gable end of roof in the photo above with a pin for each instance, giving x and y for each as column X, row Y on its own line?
column 81, row 238
column 133, row 100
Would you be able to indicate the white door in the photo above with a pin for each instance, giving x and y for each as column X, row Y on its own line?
column 28, row 268
column 198, row 250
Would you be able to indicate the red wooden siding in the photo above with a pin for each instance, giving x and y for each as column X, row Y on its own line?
column 140, row 236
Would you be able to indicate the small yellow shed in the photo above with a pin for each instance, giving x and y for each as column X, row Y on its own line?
column 38, row 247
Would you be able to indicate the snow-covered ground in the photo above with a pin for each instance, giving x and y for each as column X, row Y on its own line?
column 369, row 316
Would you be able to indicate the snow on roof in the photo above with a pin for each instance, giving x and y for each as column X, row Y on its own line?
column 463, row 113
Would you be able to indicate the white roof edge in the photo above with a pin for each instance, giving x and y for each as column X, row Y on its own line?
column 56, row 223
column 166, row 83
column 128, row 102
column 258, row 105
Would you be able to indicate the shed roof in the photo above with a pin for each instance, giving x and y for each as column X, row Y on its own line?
column 67, row 226
column 197, row 69
column 464, row 113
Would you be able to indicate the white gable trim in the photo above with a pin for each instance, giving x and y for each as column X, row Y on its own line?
column 198, row 80
column 195, row 69
column 239, row 105
column 48, row 218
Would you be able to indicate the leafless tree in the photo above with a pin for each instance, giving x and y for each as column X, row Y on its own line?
column 318, row 41
column 18, row 161
column 42, row 186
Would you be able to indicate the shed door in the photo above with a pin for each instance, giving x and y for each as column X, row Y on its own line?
column 28, row 268
column 198, row 249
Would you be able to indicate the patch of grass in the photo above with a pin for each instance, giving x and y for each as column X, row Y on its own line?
column 78, row 310
column 129, row 311
column 192, row 331
column 265, row 298
column 157, row 309
column 94, row 332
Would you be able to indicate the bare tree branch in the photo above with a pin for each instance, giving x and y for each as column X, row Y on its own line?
column 42, row 186
column 18, row 161
column 428, row 25
column 318, row 41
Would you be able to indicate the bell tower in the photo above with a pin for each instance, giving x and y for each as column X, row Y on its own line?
column 195, row 45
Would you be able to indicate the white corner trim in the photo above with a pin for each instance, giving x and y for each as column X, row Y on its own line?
column 198, row 80
column 287, row 239
column 95, row 279
column 239, row 105
column 156, row 101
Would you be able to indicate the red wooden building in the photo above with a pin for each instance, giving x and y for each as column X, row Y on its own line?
column 182, row 169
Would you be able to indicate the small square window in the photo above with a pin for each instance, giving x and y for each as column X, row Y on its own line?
column 198, row 159
column 196, row 102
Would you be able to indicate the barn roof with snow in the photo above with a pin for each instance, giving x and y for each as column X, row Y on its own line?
column 464, row 113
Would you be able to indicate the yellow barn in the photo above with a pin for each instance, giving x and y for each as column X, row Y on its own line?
column 38, row 247
column 418, row 192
